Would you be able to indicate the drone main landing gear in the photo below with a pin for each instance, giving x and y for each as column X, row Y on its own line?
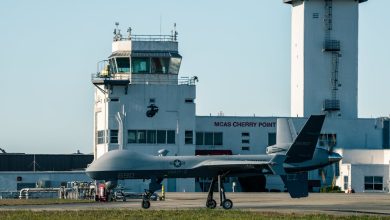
column 154, row 185
column 211, row 203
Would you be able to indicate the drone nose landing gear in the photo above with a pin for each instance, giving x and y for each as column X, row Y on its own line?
column 154, row 185
column 211, row 203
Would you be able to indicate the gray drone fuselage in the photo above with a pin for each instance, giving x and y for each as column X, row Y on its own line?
column 124, row 164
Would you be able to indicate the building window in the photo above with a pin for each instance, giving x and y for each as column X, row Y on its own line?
column 218, row 138
column 245, row 141
column 316, row 15
column 336, row 169
column 151, row 136
column 123, row 64
column 189, row 101
column 159, row 65
column 199, row 138
column 101, row 137
column 113, row 136
column 132, row 136
column 174, row 65
column 245, row 134
column 188, row 137
column 141, row 136
column 373, row 183
column 112, row 63
column 346, row 182
column 161, row 136
column 140, row 65
column 271, row 139
column 209, row 138
column 171, row 137
column 328, row 140
column 245, row 148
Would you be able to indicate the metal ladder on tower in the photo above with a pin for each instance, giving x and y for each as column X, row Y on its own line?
column 335, row 73
column 332, row 46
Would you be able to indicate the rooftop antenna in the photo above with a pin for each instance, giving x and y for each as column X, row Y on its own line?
column 174, row 32
column 129, row 31
column 34, row 163
column 160, row 22
column 117, row 32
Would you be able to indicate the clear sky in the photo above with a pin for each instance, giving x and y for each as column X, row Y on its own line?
column 240, row 50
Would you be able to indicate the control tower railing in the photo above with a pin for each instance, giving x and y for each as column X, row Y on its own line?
column 185, row 80
column 153, row 38
column 133, row 37
column 164, row 38
column 97, row 78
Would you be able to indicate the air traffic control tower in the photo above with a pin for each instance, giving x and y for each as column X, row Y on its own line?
column 141, row 104
column 324, row 57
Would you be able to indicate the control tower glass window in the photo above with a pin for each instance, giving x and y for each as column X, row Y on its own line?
column 159, row 65
column 123, row 64
column 140, row 65
column 112, row 64
column 174, row 65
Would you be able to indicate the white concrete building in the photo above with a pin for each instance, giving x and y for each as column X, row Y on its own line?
column 324, row 57
column 141, row 103
column 364, row 170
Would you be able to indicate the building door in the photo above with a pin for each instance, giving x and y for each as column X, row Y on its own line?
column 171, row 185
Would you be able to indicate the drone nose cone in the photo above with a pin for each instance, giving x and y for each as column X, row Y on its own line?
column 334, row 157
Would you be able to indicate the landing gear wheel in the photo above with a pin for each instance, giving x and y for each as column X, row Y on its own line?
column 145, row 204
column 211, row 204
column 227, row 204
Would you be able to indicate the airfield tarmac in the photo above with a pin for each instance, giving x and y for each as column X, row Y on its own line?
column 316, row 203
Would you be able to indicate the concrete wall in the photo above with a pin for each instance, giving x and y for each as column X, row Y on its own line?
column 360, row 171
column 232, row 129
column 357, row 156
column 155, row 46
column 351, row 134
column 311, row 67
column 297, row 60
column 360, row 163
column 175, row 113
